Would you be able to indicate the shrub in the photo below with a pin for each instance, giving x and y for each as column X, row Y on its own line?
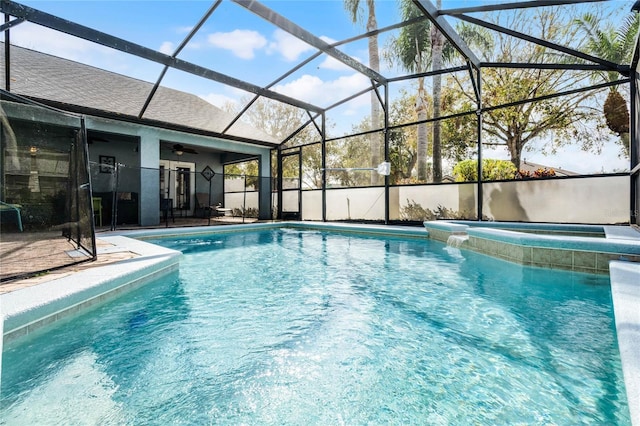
column 467, row 170
column 538, row 173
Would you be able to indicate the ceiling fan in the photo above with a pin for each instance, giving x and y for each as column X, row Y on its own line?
column 179, row 150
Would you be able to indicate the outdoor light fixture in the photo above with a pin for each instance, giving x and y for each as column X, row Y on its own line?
column 179, row 150
column 33, row 150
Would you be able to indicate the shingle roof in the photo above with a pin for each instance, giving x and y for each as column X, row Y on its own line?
column 43, row 76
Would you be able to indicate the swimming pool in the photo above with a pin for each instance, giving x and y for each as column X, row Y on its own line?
column 288, row 326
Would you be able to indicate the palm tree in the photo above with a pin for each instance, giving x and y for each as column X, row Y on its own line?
column 412, row 49
column 437, row 44
column 617, row 47
column 353, row 7
column 417, row 47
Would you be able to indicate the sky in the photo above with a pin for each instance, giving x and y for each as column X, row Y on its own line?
column 238, row 43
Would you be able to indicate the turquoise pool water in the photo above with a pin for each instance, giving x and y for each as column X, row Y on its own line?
column 304, row 327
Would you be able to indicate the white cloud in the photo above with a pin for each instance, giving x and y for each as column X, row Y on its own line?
column 167, row 48
column 194, row 45
column 287, row 45
column 55, row 43
column 219, row 100
column 333, row 64
column 323, row 93
column 242, row 43
column 184, row 30
column 75, row 49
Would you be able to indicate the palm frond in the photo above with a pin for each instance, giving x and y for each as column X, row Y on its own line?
column 607, row 43
column 354, row 9
column 627, row 35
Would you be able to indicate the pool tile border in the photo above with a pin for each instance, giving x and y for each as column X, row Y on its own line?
column 580, row 254
column 405, row 231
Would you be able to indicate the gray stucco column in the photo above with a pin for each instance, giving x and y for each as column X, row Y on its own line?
column 149, row 180
column 265, row 186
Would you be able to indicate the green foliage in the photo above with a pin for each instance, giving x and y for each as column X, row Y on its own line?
column 245, row 168
column 411, row 48
column 498, row 170
column 558, row 120
column 402, row 141
column 606, row 41
column 282, row 121
column 311, row 166
column 459, row 134
column 467, row 170
column 615, row 44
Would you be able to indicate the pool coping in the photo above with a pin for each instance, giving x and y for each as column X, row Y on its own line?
column 625, row 292
column 28, row 309
column 26, row 306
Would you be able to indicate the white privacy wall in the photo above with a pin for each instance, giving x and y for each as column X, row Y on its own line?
column 588, row 200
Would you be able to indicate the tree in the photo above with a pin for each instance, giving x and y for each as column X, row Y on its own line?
column 566, row 117
column 355, row 13
column 617, row 47
column 402, row 142
column 460, row 133
column 467, row 170
column 247, row 170
column 418, row 47
column 350, row 152
column 437, row 44
column 412, row 50
column 281, row 120
column 275, row 118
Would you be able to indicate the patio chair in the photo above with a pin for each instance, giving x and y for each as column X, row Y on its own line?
column 202, row 208
column 166, row 207
column 13, row 210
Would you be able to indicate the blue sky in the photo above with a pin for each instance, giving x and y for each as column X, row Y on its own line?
column 238, row 43
column 234, row 41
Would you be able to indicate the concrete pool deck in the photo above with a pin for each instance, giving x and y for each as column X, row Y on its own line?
column 32, row 306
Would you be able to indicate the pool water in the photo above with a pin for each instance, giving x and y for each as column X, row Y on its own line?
column 302, row 327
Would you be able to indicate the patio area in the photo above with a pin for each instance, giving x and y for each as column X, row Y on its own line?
column 55, row 256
